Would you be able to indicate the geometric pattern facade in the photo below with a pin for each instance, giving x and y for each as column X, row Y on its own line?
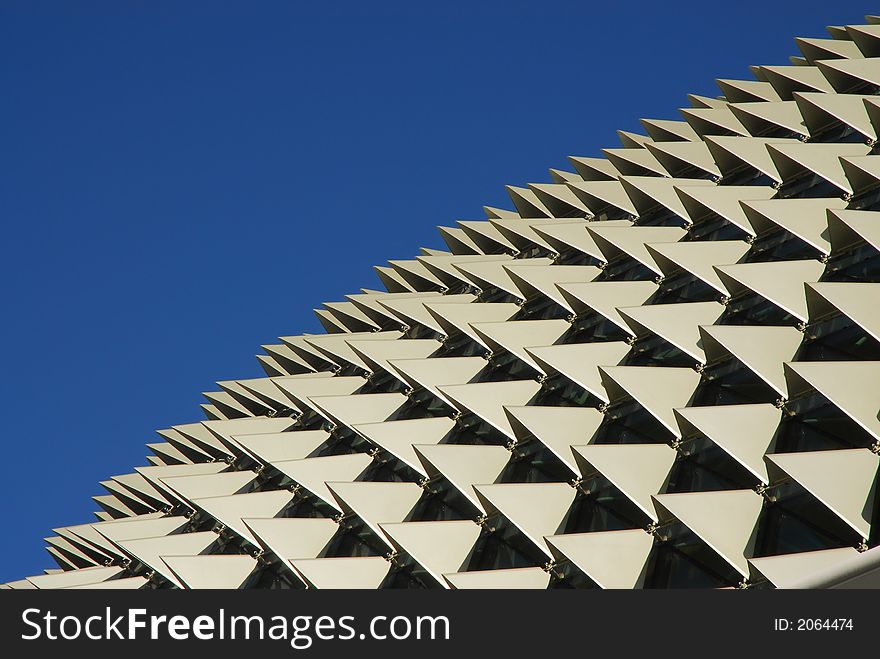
column 660, row 370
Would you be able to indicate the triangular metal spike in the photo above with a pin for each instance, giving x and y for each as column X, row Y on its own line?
column 780, row 282
column 361, row 572
column 559, row 199
column 850, row 75
column 805, row 218
column 494, row 275
column 792, row 160
column 822, row 111
column 210, row 485
column 825, row 49
column 842, row 480
column 635, row 162
column 443, row 267
column 698, row 101
column 575, row 237
column 713, row 121
column 70, row 579
column 487, row 399
column 594, row 169
column 579, row 362
column 763, row 118
column 230, row 510
column 535, row 283
column 761, row 348
column 604, row 198
column 825, row 299
column 862, row 172
column 521, row 233
column 458, row 241
column 664, row 130
column 744, row 432
column 464, row 465
column 557, row 428
column 336, row 346
column 611, row 559
column 789, row 79
column 514, row 336
column 375, row 354
column 365, row 408
column 222, row 571
column 149, row 550
column 439, row 547
column 604, row 297
column 632, row 140
column 521, row 578
column 677, row 324
column 457, row 318
column 486, row 236
column 414, row 312
column 494, row 213
column 376, row 502
column 698, row 258
column 866, row 38
column 300, row 391
column 527, row 202
column 430, row 374
column 658, row 389
column 733, row 154
column 787, row 570
column 630, row 241
column 314, row 473
column 398, row 437
column 679, row 158
column 536, row 509
column 292, row 537
column 637, row 470
column 850, row 227
column 744, row 91
column 725, row 520
column 850, row 385
column 647, row 193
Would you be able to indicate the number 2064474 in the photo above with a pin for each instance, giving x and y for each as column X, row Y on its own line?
column 812, row 624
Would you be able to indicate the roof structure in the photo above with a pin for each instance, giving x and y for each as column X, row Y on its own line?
column 659, row 370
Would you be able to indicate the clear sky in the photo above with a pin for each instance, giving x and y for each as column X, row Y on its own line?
column 181, row 182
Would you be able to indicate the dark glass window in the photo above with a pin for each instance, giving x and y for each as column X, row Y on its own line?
column 502, row 549
column 838, row 338
column 858, row 263
column 796, row 522
column 408, row 576
column 682, row 286
column 593, row 326
column 730, row 382
column 559, row 391
column 532, row 462
column 353, row 539
column 541, row 308
column 813, row 423
column 685, row 561
column 630, row 423
column 626, row 268
column 752, row 309
column 809, row 185
column 660, row 216
column 603, row 508
column 702, row 466
column 653, row 350
column 442, row 501
column 781, row 245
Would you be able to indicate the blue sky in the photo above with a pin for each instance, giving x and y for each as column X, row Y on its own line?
column 182, row 182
